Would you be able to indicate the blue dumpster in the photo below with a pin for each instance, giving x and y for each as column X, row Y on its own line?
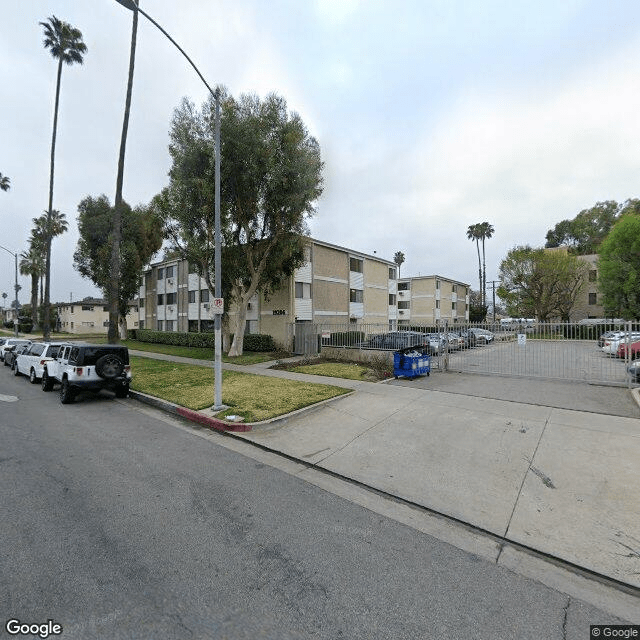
column 411, row 362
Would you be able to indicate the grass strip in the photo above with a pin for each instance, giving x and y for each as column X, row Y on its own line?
column 349, row 371
column 251, row 396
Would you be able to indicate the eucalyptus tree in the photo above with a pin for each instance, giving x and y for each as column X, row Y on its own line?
column 66, row 46
column 271, row 179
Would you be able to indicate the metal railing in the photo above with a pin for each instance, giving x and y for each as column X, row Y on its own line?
column 597, row 353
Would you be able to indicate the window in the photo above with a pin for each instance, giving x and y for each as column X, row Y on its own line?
column 105, row 308
column 160, row 299
column 141, row 324
column 453, row 306
column 454, row 288
column 404, row 304
column 437, row 304
column 193, row 326
column 170, row 271
column 192, row 267
column 356, row 295
column 593, row 298
column 204, row 295
column 86, row 307
column 170, row 325
column 71, row 309
column 403, row 286
column 392, row 273
column 392, row 299
column 142, row 303
column 160, row 273
column 192, row 298
column 171, row 298
column 303, row 290
column 356, row 264
column 105, row 323
column 160, row 325
column 593, row 275
column 437, row 284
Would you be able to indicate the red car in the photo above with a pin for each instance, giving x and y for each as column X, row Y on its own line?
column 634, row 348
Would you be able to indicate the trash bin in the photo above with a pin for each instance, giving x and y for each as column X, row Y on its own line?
column 411, row 362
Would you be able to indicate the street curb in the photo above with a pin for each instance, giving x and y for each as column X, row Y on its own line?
column 635, row 394
column 221, row 425
column 189, row 414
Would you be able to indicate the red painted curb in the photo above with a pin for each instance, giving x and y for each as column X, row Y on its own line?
column 212, row 423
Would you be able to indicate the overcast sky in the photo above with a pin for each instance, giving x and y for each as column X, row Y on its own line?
column 431, row 114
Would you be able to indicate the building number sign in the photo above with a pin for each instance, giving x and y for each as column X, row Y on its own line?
column 279, row 312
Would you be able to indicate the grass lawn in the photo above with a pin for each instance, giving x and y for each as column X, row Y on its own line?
column 251, row 396
column 348, row 370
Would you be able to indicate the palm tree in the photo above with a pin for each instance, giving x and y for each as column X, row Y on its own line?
column 398, row 258
column 485, row 231
column 474, row 235
column 66, row 46
column 116, row 224
column 31, row 265
column 5, row 183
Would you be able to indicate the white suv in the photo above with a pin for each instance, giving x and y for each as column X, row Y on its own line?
column 32, row 361
column 88, row 366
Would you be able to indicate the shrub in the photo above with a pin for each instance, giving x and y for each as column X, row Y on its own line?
column 259, row 342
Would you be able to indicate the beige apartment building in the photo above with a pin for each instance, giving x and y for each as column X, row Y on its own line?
column 426, row 300
column 90, row 315
column 334, row 286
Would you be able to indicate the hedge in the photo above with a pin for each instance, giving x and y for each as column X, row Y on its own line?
column 252, row 342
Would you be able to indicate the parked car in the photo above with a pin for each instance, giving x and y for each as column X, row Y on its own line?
column 10, row 341
column 483, row 336
column 608, row 335
column 91, row 367
column 634, row 349
column 12, row 352
column 611, row 345
column 469, row 339
column 32, row 361
column 396, row 340
column 634, row 370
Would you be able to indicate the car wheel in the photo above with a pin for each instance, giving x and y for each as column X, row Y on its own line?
column 66, row 395
column 122, row 391
column 32, row 376
column 109, row 366
column 47, row 382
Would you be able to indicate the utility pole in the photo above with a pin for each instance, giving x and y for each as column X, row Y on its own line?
column 493, row 287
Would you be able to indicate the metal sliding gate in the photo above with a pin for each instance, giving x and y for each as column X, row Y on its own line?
column 558, row 351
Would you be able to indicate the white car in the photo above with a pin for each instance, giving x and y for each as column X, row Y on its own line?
column 612, row 343
column 8, row 342
column 31, row 363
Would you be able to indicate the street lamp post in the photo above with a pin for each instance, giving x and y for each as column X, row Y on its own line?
column 17, row 288
column 132, row 6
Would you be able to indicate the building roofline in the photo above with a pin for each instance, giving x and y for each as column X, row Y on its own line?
column 435, row 276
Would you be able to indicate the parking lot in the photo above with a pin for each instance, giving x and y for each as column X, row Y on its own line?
column 569, row 360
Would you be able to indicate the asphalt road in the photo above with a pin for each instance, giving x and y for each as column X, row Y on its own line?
column 117, row 523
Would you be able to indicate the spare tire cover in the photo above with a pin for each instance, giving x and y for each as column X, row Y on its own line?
column 109, row 366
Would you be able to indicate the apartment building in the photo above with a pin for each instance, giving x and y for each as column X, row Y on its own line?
column 90, row 315
column 335, row 285
column 428, row 299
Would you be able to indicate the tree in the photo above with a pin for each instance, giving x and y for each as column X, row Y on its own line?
column 477, row 310
column 584, row 233
column 473, row 234
column 619, row 269
column 113, row 292
column 141, row 233
column 66, row 46
column 270, row 180
column 31, row 265
column 5, row 183
column 398, row 258
column 540, row 283
column 484, row 231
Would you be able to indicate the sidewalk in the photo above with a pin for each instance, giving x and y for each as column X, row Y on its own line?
column 560, row 481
